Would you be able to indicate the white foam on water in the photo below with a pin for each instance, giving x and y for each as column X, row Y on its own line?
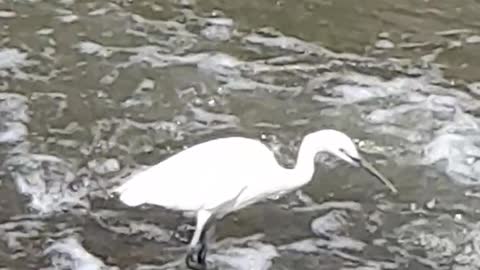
column 139, row 96
column 92, row 48
column 14, row 114
column 218, row 29
column 46, row 181
column 12, row 58
column 12, row 132
column 104, row 166
column 7, row 14
column 14, row 107
column 221, row 64
column 460, row 153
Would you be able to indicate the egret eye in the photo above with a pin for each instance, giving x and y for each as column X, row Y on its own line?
column 343, row 151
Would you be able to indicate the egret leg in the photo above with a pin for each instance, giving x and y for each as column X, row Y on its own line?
column 206, row 238
column 197, row 244
column 202, row 252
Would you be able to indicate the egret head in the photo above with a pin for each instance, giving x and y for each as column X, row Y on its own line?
column 342, row 146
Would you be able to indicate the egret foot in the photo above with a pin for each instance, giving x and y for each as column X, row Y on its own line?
column 196, row 257
column 202, row 254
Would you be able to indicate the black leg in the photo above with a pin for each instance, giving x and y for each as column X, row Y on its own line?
column 197, row 257
column 202, row 252
column 197, row 251
column 192, row 260
column 202, row 255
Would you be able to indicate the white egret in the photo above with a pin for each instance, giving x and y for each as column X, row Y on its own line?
column 220, row 176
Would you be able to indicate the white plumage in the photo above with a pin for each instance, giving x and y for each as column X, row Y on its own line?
column 219, row 176
column 205, row 176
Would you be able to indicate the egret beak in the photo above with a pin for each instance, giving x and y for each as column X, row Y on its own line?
column 371, row 170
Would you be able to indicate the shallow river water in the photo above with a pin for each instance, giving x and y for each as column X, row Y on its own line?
column 91, row 91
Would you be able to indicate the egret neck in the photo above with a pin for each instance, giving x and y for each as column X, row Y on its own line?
column 304, row 168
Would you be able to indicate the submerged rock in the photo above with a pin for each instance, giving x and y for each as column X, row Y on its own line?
column 68, row 253
column 254, row 256
column 334, row 222
column 448, row 243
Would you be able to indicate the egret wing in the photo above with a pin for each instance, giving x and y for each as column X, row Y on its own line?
column 204, row 176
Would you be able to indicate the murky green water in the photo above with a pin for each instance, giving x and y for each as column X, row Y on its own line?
column 93, row 90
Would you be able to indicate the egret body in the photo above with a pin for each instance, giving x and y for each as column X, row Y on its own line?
column 220, row 176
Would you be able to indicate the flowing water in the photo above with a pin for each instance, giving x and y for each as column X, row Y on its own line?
column 91, row 91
